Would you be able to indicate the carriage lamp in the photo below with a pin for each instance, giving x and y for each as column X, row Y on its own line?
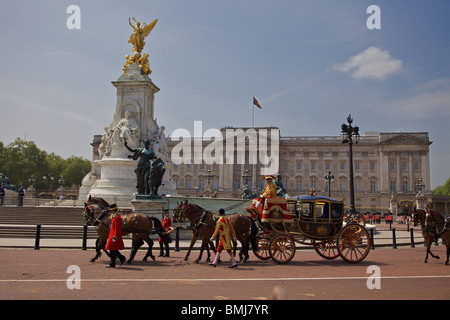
column 350, row 135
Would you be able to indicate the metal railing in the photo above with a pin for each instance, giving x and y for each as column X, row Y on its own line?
column 376, row 240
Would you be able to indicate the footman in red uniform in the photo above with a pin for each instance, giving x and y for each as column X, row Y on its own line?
column 115, row 241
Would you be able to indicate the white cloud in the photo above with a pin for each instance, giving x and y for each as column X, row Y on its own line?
column 372, row 63
column 428, row 101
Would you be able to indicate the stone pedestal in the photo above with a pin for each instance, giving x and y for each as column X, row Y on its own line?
column 421, row 201
column 393, row 206
column 150, row 205
column 117, row 180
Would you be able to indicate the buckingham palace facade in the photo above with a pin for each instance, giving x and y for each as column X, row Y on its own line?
column 389, row 168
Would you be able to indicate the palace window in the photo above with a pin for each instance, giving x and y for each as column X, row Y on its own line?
column 299, row 185
column 392, row 186
column 392, row 166
column 405, row 186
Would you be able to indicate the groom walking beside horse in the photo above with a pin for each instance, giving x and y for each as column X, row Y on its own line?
column 225, row 231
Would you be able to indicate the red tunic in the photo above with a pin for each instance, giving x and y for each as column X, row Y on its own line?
column 115, row 232
column 166, row 223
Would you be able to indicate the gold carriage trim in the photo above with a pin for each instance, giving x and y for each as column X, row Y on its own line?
column 276, row 211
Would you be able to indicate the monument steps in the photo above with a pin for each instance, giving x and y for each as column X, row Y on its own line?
column 42, row 215
column 20, row 222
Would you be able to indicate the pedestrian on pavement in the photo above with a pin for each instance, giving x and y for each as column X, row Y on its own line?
column 225, row 231
column 21, row 194
column 115, row 241
column 2, row 193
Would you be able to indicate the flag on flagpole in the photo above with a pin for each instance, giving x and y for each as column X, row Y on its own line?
column 256, row 103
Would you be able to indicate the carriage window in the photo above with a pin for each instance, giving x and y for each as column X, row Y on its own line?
column 336, row 211
column 305, row 209
column 322, row 210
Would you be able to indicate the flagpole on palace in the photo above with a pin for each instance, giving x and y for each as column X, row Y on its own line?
column 255, row 103
column 253, row 111
column 253, row 115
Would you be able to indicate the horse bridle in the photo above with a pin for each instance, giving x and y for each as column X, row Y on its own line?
column 94, row 221
column 433, row 224
column 195, row 223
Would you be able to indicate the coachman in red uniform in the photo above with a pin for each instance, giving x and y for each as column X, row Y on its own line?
column 115, row 241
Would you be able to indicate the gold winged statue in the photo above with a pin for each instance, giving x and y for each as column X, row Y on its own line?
column 140, row 31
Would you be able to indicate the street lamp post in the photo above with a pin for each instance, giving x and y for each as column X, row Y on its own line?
column 329, row 178
column 61, row 182
column 246, row 176
column 419, row 186
column 49, row 177
column 350, row 135
column 209, row 176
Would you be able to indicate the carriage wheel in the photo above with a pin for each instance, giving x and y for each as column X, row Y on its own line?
column 282, row 248
column 327, row 249
column 360, row 219
column 353, row 243
column 262, row 249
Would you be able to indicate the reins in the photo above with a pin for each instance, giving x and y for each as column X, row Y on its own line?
column 195, row 222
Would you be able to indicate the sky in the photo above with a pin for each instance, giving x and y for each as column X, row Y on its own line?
column 309, row 63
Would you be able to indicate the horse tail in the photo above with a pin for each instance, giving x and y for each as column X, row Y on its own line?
column 160, row 229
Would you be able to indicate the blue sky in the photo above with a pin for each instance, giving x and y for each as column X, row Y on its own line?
column 309, row 63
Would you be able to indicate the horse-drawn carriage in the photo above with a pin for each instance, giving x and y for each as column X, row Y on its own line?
column 309, row 220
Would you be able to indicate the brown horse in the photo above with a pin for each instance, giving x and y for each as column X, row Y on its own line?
column 204, row 224
column 436, row 221
column 139, row 225
column 429, row 233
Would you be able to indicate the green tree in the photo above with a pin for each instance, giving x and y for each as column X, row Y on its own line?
column 75, row 169
column 20, row 160
column 443, row 190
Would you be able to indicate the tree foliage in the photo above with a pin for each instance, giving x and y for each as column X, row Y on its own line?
column 20, row 160
column 443, row 190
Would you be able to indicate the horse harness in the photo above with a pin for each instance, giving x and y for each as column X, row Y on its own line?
column 201, row 221
column 434, row 225
column 134, row 229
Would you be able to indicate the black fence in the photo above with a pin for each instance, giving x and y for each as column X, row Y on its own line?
column 386, row 238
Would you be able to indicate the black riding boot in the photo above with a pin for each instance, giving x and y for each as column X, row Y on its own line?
column 161, row 252
column 167, row 249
